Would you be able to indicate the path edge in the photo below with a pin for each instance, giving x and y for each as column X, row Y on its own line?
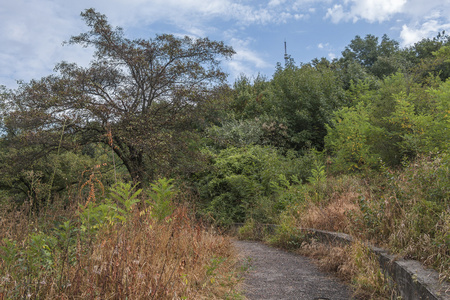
column 413, row 280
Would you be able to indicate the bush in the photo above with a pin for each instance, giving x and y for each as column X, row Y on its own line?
column 244, row 183
column 391, row 124
column 263, row 130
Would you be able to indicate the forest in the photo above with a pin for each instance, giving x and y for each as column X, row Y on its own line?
column 112, row 175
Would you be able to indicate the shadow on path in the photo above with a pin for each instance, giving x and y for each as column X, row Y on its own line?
column 277, row 274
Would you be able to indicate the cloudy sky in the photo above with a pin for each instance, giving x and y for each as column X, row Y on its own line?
column 32, row 31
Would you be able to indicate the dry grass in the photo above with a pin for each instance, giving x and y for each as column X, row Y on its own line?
column 355, row 264
column 404, row 210
column 141, row 259
column 334, row 215
column 337, row 207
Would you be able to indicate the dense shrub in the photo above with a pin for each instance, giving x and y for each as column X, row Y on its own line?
column 264, row 130
column 244, row 183
column 390, row 124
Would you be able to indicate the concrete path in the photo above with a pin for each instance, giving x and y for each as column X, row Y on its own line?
column 277, row 274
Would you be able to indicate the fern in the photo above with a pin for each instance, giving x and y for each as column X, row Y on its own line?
column 317, row 174
column 161, row 195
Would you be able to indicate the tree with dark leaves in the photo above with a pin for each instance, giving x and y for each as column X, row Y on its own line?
column 140, row 97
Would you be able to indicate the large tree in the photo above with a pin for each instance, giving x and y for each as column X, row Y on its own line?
column 379, row 58
column 303, row 99
column 422, row 60
column 138, row 96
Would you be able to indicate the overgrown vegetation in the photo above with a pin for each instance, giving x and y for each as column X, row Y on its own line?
column 107, row 247
column 354, row 263
column 358, row 144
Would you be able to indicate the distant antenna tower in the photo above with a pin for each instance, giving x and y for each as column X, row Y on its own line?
column 286, row 56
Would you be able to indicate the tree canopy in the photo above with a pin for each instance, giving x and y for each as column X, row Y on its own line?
column 137, row 96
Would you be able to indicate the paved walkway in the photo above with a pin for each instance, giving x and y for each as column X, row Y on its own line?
column 277, row 274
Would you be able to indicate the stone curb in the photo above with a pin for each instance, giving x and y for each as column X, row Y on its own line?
column 413, row 280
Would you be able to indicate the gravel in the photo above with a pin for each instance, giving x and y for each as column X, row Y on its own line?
column 277, row 274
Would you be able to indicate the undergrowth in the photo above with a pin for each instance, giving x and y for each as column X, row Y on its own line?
column 354, row 263
column 115, row 246
column 404, row 210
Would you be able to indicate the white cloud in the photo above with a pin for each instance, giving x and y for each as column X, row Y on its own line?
column 377, row 10
column 413, row 34
column 32, row 34
column 245, row 54
column 337, row 14
column 428, row 8
column 424, row 18
column 33, row 30
column 246, row 60
column 200, row 11
column 273, row 3
column 369, row 10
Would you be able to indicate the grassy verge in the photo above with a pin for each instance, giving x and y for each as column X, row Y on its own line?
column 354, row 263
column 114, row 248
column 404, row 210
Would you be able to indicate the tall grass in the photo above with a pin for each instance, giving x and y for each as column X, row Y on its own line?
column 354, row 263
column 60, row 254
column 405, row 210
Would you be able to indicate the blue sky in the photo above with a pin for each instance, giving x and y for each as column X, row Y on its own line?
column 32, row 31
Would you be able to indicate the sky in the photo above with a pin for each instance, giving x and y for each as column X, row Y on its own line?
column 32, row 31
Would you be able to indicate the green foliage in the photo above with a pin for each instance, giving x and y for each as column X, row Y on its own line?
column 350, row 139
column 40, row 252
column 318, row 174
column 367, row 51
column 378, row 58
column 317, row 181
column 422, row 58
column 66, row 235
column 406, row 113
column 244, row 181
column 383, row 99
column 162, row 193
column 287, row 235
column 94, row 216
column 443, row 53
column 439, row 128
column 251, row 99
column 305, row 98
column 236, row 133
column 9, row 251
column 410, row 130
column 239, row 133
column 248, row 230
column 123, row 198
column 55, row 174
column 388, row 124
column 117, row 207
column 25, row 264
